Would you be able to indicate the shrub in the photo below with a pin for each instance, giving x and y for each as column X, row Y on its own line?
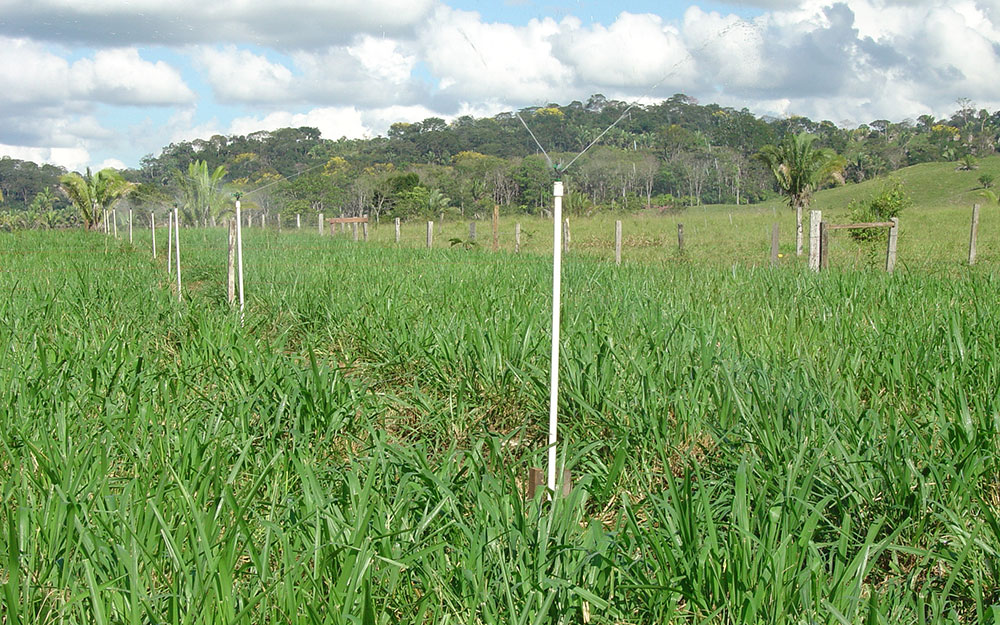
column 986, row 180
column 889, row 202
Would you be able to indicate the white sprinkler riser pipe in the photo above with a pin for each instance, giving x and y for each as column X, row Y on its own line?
column 557, row 192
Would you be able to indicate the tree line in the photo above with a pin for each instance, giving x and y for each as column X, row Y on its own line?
column 667, row 156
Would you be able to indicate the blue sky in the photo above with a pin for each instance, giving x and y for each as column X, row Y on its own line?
column 103, row 84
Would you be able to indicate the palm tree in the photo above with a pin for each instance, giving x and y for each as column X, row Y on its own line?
column 201, row 192
column 93, row 194
column 800, row 169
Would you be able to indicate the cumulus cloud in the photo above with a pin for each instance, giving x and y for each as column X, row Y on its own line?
column 370, row 72
column 299, row 23
column 635, row 51
column 32, row 75
column 73, row 159
column 472, row 59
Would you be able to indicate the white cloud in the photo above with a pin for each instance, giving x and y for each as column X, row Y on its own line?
column 333, row 122
column 635, row 51
column 242, row 76
column 70, row 158
column 30, row 74
column 289, row 23
column 369, row 73
column 474, row 60
column 113, row 163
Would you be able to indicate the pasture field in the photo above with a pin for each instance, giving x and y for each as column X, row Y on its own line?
column 747, row 444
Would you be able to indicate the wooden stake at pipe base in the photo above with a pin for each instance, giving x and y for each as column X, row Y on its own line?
column 536, row 482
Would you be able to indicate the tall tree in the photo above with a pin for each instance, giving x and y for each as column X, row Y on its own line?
column 201, row 192
column 800, row 169
column 93, row 194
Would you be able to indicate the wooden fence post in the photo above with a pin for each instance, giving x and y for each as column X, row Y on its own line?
column 472, row 231
column 130, row 226
column 152, row 230
column 517, row 238
column 397, row 229
column 814, row 218
column 890, row 253
column 618, row 241
column 774, row 244
column 430, row 234
column 496, row 228
column 974, row 234
column 364, row 228
column 298, row 221
column 114, row 220
column 565, row 241
column 320, row 224
column 680, row 238
column 354, row 231
column 824, row 246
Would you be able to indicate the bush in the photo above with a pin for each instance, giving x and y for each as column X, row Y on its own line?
column 889, row 202
column 986, row 180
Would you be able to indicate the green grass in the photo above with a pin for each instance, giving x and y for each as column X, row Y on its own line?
column 747, row 445
column 934, row 232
